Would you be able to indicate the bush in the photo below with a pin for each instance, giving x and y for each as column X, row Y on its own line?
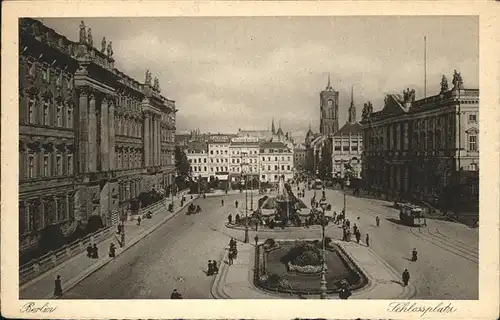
column 308, row 258
column 269, row 243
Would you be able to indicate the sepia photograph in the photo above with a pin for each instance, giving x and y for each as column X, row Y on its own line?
column 287, row 157
column 249, row 158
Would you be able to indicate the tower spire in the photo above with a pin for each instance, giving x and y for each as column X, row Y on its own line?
column 329, row 86
column 273, row 129
column 352, row 108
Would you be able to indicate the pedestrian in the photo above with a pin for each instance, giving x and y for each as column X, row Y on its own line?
column 230, row 258
column 215, row 269
column 414, row 255
column 236, row 204
column 112, row 250
column 209, row 270
column 89, row 250
column 406, row 277
column 367, row 240
column 222, row 202
column 377, row 220
column 139, row 220
column 237, row 218
column 119, row 228
column 230, row 218
column 355, row 229
column 358, row 236
column 122, row 242
column 58, row 287
column 95, row 252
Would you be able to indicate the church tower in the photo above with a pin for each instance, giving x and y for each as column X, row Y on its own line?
column 352, row 108
column 329, row 110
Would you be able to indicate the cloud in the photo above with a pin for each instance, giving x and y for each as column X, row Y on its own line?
column 230, row 73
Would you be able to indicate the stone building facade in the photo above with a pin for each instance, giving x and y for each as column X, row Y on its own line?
column 276, row 160
column 426, row 149
column 91, row 138
column 348, row 147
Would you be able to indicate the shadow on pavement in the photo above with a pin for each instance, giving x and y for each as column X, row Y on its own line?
column 398, row 282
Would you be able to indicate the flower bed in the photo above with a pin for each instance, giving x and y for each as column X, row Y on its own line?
column 308, row 269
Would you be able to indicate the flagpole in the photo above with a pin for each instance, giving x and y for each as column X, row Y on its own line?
column 425, row 66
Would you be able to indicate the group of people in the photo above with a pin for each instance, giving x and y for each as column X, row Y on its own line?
column 92, row 251
column 233, row 251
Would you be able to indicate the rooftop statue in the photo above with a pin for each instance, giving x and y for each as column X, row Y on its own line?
column 90, row 41
column 110, row 49
column 444, row 84
column 103, row 44
column 83, row 36
column 148, row 77
column 457, row 80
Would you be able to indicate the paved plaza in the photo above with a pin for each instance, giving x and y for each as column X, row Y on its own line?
column 175, row 256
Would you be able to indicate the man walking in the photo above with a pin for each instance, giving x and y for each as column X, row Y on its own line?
column 367, row 240
column 230, row 218
column 406, row 277
column 58, row 287
column 377, row 220
column 236, row 204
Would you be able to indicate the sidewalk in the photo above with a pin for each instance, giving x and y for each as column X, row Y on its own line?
column 80, row 266
column 236, row 281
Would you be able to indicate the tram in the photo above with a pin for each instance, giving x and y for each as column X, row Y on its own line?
column 411, row 215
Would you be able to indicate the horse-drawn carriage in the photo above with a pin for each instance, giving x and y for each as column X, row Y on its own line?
column 193, row 209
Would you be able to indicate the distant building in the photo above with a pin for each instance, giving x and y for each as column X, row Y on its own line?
column 276, row 160
column 197, row 154
column 348, row 147
column 423, row 149
column 299, row 157
column 218, row 156
column 243, row 157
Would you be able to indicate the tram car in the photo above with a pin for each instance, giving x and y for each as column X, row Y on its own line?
column 411, row 215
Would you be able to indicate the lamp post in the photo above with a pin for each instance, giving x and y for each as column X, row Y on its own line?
column 323, row 282
column 246, row 200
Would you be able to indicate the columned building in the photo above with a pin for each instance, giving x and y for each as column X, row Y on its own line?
column 426, row 149
column 91, row 138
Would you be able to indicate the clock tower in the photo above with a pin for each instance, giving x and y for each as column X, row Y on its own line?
column 329, row 110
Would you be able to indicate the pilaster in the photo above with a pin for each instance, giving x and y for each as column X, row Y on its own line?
column 145, row 140
column 83, row 146
column 104, row 135
column 92, row 134
column 111, row 134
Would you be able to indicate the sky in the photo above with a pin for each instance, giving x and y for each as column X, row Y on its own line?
column 227, row 73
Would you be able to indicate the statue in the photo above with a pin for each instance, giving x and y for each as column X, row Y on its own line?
column 409, row 95
column 148, row 77
column 90, row 41
column 103, row 44
column 444, row 84
column 156, row 85
column 83, row 36
column 457, row 80
column 110, row 49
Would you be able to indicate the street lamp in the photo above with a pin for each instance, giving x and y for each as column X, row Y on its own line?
column 323, row 282
column 246, row 198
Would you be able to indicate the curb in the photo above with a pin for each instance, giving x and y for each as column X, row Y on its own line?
column 218, row 279
column 75, row 280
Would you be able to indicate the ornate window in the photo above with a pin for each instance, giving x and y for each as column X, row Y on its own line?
column 31, row 111
column 59, row 165
column 472, row 118
column 46, row 170
column 69, row 164
column 472, row 142
column 473, row 167
column 46, row 113
column 59, row 115
column 70, row 117
column 31, row 166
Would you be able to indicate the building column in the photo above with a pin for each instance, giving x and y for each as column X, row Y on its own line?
column 111, row 135
column 158, row 141
column 83, row 145
column 104, row 135
column 92, row 134
column 153, row 138
column 145, row 140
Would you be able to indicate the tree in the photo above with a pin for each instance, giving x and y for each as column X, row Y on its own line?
column 181, row 163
